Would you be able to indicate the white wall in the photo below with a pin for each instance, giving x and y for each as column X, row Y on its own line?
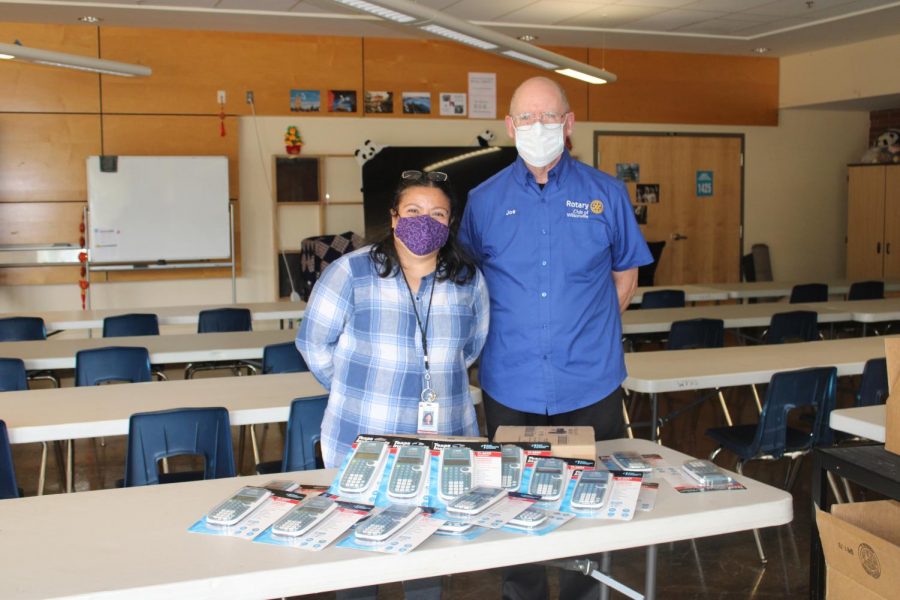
column 795, row 196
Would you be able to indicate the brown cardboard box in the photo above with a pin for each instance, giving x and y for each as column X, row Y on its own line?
column 892, row 411
column 569, row 442
column 861, row 542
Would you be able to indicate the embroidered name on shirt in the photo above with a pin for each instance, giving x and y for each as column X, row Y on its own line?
column 511, row 211
column 577, row 210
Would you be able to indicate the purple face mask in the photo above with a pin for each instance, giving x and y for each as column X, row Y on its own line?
column 422, row 235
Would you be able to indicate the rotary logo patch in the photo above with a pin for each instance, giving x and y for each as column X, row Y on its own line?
column 597, row 207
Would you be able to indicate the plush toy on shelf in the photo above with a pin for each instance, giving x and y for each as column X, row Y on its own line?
column 293, row 141
column 886, row 148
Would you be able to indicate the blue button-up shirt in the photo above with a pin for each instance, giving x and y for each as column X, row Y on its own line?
column 361, row 340
column 554, row 343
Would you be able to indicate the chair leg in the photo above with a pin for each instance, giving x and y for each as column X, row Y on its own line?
column 725, row 408
column 756, row 398
column 715, row 453
column 42, row 476
column 627, row 420
column 253, row 444
column 739, row 467
column 792, row 473
column 848, row 492
column 832, row 481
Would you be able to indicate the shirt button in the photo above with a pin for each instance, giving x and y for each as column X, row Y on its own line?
column 546, row 357
column 543, row 263
column 543, row 232
column 543, row 294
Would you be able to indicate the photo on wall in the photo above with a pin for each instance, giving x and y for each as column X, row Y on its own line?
column 640, row 213
column 452, row 105
column 342, row 101
column 416, row 103
column 628, row 171
column 378, row 102
column 306, row 101
column 647, row 193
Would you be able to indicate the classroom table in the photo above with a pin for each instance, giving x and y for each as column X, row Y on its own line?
column 743, row 290
column 862, row 421
column 869, row 311
column 664, row 371
column 166, row 561
column 692, row 292
column 164, row 349
column 734, row 316
column 59, row 320
column 53, row 414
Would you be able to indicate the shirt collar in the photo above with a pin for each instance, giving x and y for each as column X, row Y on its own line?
column 557, row 174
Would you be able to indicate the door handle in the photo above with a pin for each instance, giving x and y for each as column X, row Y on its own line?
column 877, row 247
column 678, row 236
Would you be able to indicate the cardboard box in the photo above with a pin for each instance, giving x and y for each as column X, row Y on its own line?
column 892, row 411
column 861, row 542
column 569, row 442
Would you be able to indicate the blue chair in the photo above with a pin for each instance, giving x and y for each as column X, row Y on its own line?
column 113, row 363
column 221, row 320
column 21, row 329
column 809, row 292
column 663, row 299
column 283, row 358
column 13, row 377
column 153, row 436
column 304, row 430
column 8, row 486
column 696, row 333
column 866, row 290
column 772, row 438
column 130, row 324
column 792, row 326
column 27, row 329
column 873, row 387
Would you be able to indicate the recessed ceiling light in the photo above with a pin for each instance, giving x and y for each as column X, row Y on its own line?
column 90, row 20
column 527, row 37
column 761, row 50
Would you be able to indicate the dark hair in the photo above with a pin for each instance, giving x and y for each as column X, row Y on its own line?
column 453, row 263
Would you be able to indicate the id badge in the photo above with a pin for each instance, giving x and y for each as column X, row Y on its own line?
column 428, row 417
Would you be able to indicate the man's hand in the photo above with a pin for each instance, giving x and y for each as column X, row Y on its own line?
column 626, row 284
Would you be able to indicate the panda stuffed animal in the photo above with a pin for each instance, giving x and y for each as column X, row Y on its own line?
column 484, row 138
column 888, row 144
column 365, row 152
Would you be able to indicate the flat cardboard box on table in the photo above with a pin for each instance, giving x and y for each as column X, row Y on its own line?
column 861, row 542
column 568, row 442
column 892, row 411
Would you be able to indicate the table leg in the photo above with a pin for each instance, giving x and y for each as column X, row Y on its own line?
column 606, row 567
column 650, row 574
column 864, row 330
column 654, row 415
column 70, row 466
column 819, row 492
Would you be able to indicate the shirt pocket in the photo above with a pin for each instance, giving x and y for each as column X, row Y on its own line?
column 587, row 249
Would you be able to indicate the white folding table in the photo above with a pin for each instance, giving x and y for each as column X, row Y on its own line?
column 863, row 421
column 778, row 289
column 134, row 542
column 58, row 320
column 692, row 292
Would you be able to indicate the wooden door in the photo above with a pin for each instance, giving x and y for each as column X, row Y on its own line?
column 892, row 222
column 701, row 227
column 865, row 223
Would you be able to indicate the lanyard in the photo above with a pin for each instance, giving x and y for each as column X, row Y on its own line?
column 428, row 394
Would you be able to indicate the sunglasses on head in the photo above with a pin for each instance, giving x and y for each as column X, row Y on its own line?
column 436, row 176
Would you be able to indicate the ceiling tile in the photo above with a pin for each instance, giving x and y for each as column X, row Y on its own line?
column 479, row 10
column 546, row 12
column 672, row 20
column 269, row 5
column 610, row 16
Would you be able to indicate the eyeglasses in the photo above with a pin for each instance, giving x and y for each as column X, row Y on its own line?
column 524, row 121
column 436, row 176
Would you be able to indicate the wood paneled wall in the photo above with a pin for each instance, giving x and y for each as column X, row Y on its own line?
column 52, row 119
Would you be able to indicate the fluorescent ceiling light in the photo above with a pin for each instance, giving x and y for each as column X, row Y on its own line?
column 73, row 61
column 384, row 13
column 427, row 19
column 530, row 59
column 459, row 37
column 582, row 76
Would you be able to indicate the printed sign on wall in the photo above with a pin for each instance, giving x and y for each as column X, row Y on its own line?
column 704, row 183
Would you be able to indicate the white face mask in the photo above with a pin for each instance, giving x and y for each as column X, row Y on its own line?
column 541, row 144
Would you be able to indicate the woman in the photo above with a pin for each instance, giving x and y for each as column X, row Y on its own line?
column 375, row 311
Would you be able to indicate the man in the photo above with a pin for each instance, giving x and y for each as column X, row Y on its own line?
column 559, row 247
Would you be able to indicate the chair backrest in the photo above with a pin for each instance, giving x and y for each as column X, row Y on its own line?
column 788, row 390
column 809, row 292
column 20, row 329
column 793, row 326
column 8, row 486
column 131, row 324
column 762, row 262
column 13, row 377
column 202, row 432
column 224, row 319
column 647, row 273
column 304, row 429
column 866, row 290
column 663, row 299
column 283, row 358
column 113, row 363
column 748, row 269
column 696, row 333
column 873, row 387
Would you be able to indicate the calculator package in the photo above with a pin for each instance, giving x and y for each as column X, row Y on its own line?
column 406, row 474
column 460, row 529
column 513, row 457
column 247, row 512
column 359, row 477
column 598, row 493
column 314, row 523
column 393, row 529
column 537, row 521
column 703, row 475
column 547, row 478
column 458, row 467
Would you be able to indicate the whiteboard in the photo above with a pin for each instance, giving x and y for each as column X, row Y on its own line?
column 158, row 208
